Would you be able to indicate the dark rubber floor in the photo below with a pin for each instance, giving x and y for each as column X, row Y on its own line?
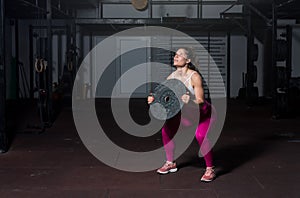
column 255, row 156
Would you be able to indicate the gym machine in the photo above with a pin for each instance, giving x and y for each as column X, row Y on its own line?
column 281, row 68
column 249, row 91
column 48, row 91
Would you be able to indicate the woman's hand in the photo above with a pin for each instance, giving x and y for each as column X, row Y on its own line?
column 185, row 98
column 150, row 99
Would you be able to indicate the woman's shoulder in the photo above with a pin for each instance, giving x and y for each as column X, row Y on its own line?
column 194, row 74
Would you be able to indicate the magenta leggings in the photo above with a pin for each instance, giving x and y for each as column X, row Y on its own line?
column 171, row 126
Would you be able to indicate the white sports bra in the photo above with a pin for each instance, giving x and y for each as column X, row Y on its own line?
column 188, row 83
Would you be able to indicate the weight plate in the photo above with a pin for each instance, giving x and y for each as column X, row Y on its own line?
column 167, row 99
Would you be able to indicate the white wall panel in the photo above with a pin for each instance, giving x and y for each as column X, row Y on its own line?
column 213, row 11
column 189, row 11
column 122, row 11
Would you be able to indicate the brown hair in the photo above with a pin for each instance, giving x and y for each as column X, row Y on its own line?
column 190, row 53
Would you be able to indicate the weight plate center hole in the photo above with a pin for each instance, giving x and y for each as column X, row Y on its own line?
column 167, row 99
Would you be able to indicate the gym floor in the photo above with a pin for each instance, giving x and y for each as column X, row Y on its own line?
column 255, row 156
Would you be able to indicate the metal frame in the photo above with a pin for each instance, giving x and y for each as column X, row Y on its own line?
column 273, row 60
column 228, row 63
column 151, row 3
column 250, row 62
column 46, row 10
column 203, row 25
column 50, row 66
column 3, row 132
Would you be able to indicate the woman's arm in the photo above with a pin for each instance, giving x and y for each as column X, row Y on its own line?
column 196, row 82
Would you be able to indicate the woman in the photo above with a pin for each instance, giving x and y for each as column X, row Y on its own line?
column 188, row 74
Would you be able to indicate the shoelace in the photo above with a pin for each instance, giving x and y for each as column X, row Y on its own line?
column 209, row 171
column 168, row 164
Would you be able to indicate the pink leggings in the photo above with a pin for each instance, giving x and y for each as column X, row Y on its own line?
column 171, row 126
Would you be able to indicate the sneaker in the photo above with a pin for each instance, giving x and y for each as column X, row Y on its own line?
column 168, row 167
column 209, row 175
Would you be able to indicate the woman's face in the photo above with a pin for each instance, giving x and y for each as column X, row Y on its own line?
column 180, row 58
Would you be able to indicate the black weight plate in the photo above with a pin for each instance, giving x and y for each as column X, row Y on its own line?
column 167, row 99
